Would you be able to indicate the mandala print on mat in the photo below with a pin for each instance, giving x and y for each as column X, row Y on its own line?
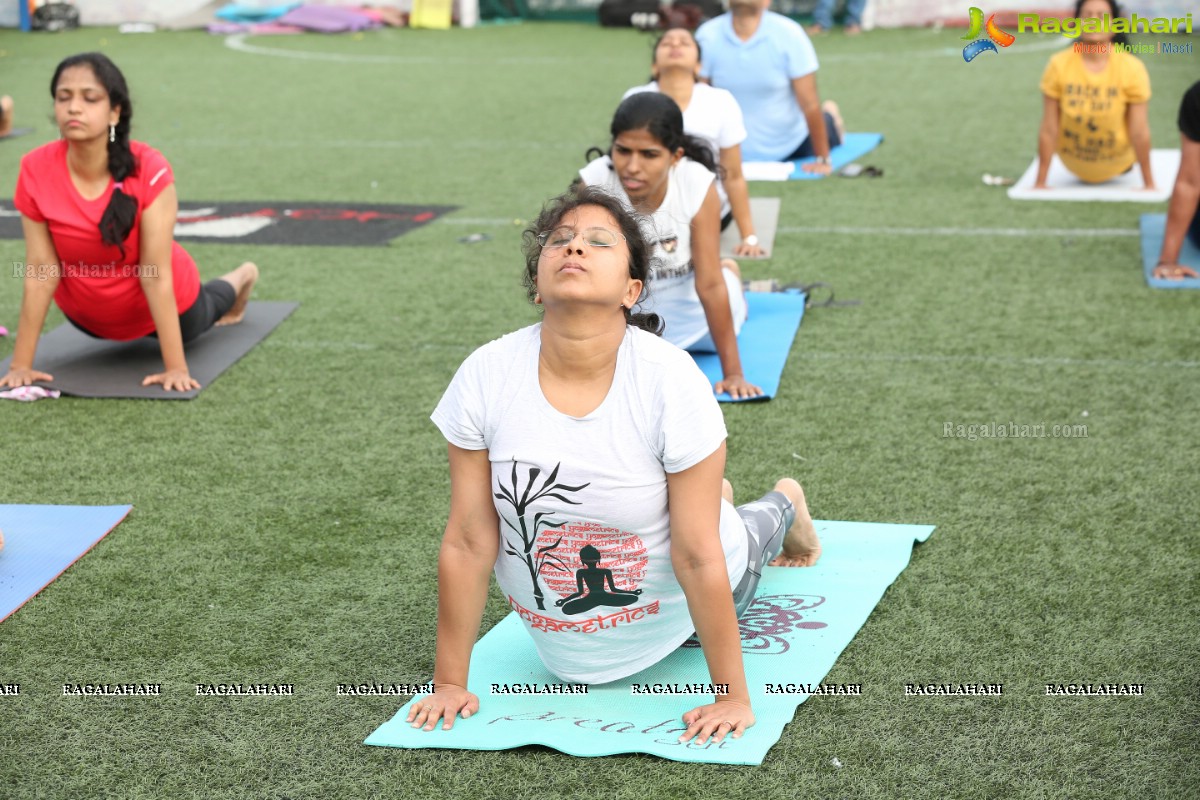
column 768, row 621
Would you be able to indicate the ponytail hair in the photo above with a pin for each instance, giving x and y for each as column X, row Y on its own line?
column 121, row 211
column 660, row 116
column 640, row 251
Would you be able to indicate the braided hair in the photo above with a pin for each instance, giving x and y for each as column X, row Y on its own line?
column 659, row 115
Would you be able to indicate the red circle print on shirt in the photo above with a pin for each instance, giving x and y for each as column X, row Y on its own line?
column 624, row 554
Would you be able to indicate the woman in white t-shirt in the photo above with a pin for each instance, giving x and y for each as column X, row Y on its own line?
column 711, row 114
column 667, row 176
column 586, row 459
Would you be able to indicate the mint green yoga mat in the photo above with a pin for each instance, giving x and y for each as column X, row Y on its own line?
column 801, row 621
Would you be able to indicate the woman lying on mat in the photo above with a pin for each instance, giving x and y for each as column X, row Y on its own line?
column 712, row 115
column 98, row 211
column 586, row 460
column 666, row 175
column 1183, row 214
column 1094, row 105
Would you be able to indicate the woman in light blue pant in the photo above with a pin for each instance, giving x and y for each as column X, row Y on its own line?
column 823, row 16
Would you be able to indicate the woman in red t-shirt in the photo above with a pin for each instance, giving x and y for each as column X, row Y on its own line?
column 98, row 212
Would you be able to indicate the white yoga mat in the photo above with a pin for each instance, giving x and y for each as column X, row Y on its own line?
column 1127, row 188
column 765, row 213
column 768, row 170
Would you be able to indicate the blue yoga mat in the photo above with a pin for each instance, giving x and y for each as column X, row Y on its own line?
column 853, row 147
column 1153, row 226
column 253, row 12
column 40, row 542
column 801, row 621
column 763, row 344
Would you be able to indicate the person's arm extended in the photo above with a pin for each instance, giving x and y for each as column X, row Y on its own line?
column 739, row 198
column 1047, row 139
column 1185, row 204
column 694, row 504
column 157, row 237
column 1138, row 123
column 714, row 295
column 805, row 89
column 465, row 561
column 42, row 274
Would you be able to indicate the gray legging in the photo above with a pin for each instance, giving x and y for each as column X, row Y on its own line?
column 767, row 520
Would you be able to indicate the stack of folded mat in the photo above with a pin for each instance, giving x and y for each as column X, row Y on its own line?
column 293, row 18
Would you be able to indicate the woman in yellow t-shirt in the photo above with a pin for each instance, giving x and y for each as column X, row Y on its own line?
column 1094, row 113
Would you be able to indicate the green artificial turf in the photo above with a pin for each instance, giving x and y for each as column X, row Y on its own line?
column 286, row 523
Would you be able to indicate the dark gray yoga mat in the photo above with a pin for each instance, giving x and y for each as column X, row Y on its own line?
column 87, row 367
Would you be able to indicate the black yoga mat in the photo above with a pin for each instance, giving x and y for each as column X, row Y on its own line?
column 87, row 367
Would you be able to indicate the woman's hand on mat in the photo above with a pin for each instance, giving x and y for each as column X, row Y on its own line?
column 173, row 379
column 718, row 720
column 751, row 250
column 817, row 167
column 23, row 376
column 737, row 387
column 446, row 702
column 1174, row 272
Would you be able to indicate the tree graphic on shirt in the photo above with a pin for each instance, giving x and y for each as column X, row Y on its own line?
column 529, row 529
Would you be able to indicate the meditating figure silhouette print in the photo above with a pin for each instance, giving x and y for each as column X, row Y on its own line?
column 594, row 578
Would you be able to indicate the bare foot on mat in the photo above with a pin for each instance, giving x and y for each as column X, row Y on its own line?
column 801, row 547
column 242, row 279
column 839, row 124
column 6, row 112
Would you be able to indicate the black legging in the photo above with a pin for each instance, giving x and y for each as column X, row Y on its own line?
column 214, row 301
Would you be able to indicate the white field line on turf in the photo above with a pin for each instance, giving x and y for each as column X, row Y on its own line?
column 482, row 222
column 1003, row 361
column 942, row 52
column 1081, row 232
column 364, row 144
column 890, row 358
column 294, row 344
column 238, row 42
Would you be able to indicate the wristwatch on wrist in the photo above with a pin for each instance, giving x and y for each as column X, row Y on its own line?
column 823, row 161
column 750, row 240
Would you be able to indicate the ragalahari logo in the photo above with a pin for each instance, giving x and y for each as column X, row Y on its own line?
column 995, row 36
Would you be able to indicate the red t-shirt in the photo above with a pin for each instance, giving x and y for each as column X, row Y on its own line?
column 100, row 288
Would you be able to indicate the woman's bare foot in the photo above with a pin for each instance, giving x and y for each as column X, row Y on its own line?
column 242, row 279
column 832, row 109
column 727, row 491
column 801, row 547
column 6, row 112
column 732, row 266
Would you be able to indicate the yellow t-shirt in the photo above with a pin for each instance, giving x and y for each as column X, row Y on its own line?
column 1093, row 139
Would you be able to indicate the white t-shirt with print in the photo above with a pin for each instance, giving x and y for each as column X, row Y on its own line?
column 672, row 291
column 563, row 484
column 714, row 116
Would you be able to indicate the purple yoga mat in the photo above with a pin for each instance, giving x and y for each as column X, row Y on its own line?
column 328, row 19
